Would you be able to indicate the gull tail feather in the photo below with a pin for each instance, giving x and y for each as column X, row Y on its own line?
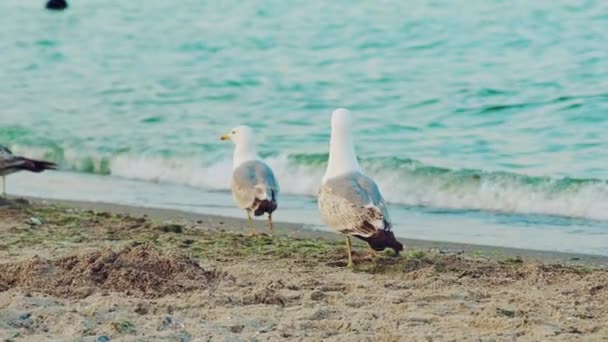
column 381, row 240
column 37, row 165
column 267, row 205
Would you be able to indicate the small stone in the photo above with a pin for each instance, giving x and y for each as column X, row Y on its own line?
column 169, row 322
column 506, row 312
column 35, row 221
column 124, row 327
column 103, row 338
column 486, row 339
column 172, row 228
column 25, row 315
column 319, row 314
column 188, row 242
column 237, row 329
column 89, row 311
column 142, row 308
column 317, row 295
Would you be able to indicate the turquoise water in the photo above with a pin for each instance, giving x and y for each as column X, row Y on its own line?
column 490, row 111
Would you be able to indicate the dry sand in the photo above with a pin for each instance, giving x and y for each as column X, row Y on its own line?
column 72, row 274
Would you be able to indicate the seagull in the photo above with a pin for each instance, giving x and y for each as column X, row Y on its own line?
column 56, row 5
column 10, row 163
column 254, row 187
column 349, row 201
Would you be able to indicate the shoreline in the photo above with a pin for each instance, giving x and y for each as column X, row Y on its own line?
column 301, row 230
column 535, row 232
column 90, row 272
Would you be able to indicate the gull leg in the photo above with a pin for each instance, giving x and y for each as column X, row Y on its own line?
column 270, row 223
column 349, row 246
column 4, row 186
column 250, row 219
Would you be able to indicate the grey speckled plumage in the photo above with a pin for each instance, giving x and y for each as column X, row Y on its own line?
column 352, row 204
column 9, row 163
column 254, row 187
column 349, row 201
column 7, row 160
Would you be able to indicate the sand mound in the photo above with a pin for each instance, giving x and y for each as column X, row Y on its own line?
column 142, row 270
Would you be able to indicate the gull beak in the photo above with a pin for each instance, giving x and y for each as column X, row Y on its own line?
column 225, row 137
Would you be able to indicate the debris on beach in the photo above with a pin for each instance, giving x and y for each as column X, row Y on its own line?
column 172, row 228
column 36, row 221
column 142, row 269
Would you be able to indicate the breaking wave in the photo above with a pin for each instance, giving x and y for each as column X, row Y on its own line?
column 402, row 181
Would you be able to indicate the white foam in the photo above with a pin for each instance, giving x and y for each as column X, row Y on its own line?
column 180, row 171
column 406, row 186
column 588, row 200
column 585, row 201
column 293, row 179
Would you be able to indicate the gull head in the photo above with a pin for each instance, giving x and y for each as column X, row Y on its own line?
column 342, row 157
column 341, row 121
column 240, row 136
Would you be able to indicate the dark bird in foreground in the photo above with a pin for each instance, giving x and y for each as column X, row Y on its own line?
column 10, row 163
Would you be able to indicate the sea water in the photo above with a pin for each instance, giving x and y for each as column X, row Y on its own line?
column 482, row 121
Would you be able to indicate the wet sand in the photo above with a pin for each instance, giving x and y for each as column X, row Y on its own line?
column 91, row 272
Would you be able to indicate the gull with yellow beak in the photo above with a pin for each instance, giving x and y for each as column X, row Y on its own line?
column 254, row 187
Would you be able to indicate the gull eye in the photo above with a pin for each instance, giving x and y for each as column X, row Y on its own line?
column 233, row 132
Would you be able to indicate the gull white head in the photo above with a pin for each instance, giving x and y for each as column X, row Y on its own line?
column 342, row 157
column 244, row 147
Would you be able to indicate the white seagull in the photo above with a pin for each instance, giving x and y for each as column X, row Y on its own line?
column 349, row 201
column 254, row 187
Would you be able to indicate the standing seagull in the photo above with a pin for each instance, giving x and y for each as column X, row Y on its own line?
column 9, row 163
column 254, row 187
column 350, row 202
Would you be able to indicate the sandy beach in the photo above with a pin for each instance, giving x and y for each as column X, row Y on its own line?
column 137, row 137
column 99, row 272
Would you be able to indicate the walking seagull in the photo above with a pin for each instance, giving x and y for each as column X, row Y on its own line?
column 349, row 201
column 10, row 163
column 254, row 187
